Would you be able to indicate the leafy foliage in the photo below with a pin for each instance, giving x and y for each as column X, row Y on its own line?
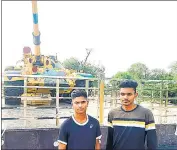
column 75, row 64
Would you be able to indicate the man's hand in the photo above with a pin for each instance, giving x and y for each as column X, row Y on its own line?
column 61, row 146
column 97, row 145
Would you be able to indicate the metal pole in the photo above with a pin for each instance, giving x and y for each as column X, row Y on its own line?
column 166, row 103
column 87, row 86
column 101, row 116
column 161, row 94
column 98, row 99
column 112, row 100
column 57, row 101
column 152, row 98
column 3, row 95
column 161, row 100
column 25, row 101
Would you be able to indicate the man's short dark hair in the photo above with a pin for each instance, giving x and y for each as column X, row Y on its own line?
column 78, row 93
column 128, row 84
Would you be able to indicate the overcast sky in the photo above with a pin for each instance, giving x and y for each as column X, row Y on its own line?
column 120, row 33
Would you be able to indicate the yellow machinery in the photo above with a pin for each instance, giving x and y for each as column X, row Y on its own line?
column 37, row 64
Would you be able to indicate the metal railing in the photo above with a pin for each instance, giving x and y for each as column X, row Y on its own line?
column 105, row 98
column 57, row 98
column 157, row 100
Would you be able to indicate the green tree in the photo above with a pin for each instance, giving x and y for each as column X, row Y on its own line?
column 159, row 74
column 123, row 75
column 173, row 67
column 72, row 63
column 138, row 71
column 173, row 70
column 77, row 65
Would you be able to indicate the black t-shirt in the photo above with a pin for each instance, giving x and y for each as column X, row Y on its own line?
column 80, row 136
column 128, row 129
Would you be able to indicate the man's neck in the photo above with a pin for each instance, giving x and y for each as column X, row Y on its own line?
column 81, row 118
column 130, row 107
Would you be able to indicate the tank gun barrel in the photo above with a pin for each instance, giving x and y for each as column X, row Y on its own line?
column 36, row 33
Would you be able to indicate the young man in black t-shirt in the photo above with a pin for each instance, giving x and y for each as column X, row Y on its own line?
column 80, row 131
column 130, row 124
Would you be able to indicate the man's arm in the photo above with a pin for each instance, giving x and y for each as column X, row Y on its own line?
column 97, row 145
column 109, row 143
column 63, row 137
column 151, row 131
column 98, row 137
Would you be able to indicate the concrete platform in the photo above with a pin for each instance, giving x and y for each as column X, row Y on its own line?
column 44, row 138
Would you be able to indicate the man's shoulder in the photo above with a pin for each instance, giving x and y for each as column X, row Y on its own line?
column 92, row 119
column 115, row 110
column 66, row 122
column 144, row 110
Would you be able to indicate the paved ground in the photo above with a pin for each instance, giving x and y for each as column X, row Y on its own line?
column 160, row 114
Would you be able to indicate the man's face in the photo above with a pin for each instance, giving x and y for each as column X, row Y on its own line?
column 127, row 96
column 80, row 105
